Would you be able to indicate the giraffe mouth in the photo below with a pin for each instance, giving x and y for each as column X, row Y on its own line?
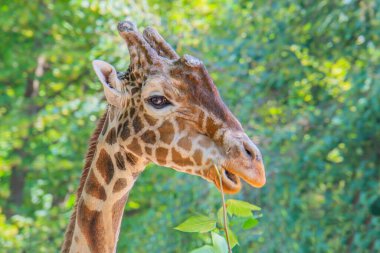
column 230, row 182
column 231, row 176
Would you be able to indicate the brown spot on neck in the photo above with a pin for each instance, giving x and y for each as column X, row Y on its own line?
column 148, row 137
column 131, row 158
column 92, row 227
column 119, row 185
column 134, row 147
column 94, row 188
column 120, row 161
column 132, row 111
column 105, row 166
column 125, row 132
column 111, row 136
column 125, row 115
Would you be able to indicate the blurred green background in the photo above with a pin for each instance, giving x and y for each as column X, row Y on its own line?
column 301, row 76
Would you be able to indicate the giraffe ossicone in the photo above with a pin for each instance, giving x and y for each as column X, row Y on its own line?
column 163, row 109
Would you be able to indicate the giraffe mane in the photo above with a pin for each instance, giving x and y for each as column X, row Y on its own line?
column 88, row 160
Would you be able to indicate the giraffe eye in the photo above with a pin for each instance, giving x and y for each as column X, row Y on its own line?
column 158, row 102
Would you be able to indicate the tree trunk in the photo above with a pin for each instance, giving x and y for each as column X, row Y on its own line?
column 19, row 172
column 17, row 183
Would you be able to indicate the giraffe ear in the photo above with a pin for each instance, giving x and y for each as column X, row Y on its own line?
column 111, row 84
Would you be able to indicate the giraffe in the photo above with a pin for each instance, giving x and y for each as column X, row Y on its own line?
column 164, row 109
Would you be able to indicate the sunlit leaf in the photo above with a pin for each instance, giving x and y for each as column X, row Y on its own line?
column 199, row 223
column 240, row 208
column 219, row 243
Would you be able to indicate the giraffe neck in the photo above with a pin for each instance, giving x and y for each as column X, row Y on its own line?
column 102, row 194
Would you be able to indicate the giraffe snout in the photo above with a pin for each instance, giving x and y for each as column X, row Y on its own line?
column 245, row 160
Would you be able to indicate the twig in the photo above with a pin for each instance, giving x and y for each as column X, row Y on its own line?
column 224, row 210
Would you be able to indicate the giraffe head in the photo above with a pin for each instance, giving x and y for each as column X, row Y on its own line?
column 166, row 109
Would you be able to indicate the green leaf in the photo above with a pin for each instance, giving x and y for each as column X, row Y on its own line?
column 232, row 238
column 197, row 224
column 240, row 208
column 204, row 249
column 219, row 243
column 250, row 223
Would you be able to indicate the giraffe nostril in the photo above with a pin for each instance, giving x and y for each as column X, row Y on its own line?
column 248, row 152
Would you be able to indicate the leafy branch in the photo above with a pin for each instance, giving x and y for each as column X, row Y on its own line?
column 204, row 224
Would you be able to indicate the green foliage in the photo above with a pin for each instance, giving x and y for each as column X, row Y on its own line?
column 301, row 76
column 202, row 224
